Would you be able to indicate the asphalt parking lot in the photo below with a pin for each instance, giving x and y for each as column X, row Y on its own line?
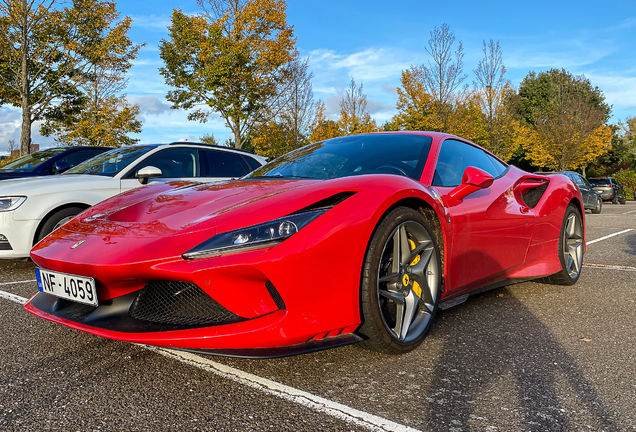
column 529, row 357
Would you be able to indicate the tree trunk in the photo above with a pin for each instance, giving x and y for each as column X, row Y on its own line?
column 25, row 137
column 238, row 139
column 583, row 171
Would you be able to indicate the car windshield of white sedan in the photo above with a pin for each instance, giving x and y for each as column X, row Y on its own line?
column 110, row 163
column 28, row 163
column 399, row 154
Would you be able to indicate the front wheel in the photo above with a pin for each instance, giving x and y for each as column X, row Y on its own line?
column 401, row 283
column 56, row 220
column 571, row 249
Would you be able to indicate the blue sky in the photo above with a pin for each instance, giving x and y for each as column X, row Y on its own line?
column 373, row 41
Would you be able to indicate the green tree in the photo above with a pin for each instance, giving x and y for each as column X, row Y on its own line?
column 209, row 139
column 231, row 59
column 44, row 49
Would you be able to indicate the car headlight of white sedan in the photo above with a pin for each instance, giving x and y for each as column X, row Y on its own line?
column 9, row 203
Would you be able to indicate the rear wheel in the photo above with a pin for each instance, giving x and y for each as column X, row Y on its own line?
column 401, row 283
column 571, row 249
column 615, row 200
column 56, row 220
column 599, row 206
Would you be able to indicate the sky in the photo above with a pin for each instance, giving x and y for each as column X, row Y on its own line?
column 373, row 41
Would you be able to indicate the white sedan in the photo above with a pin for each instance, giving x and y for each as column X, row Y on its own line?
column 31, row 208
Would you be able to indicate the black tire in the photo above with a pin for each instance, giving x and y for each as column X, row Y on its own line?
column 623, row 201
column 599, row 206
column 407, row 297
column 51, row 223
column 615, row 200
column 569, row 275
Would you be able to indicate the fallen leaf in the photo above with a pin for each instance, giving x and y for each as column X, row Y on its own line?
column 500, row 295
column 585, row 340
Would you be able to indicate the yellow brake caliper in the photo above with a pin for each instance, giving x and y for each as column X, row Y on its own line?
column 417, row 289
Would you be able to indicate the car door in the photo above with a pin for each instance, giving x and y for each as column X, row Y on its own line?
column 491, row 229
column 218, row 165
column 178, row 163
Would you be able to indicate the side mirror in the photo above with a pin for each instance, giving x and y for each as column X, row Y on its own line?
column 60, row 166
column 147, row 173
column 473, row 180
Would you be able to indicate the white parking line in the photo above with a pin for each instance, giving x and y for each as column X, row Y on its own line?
column 15, row 283
column 13, row 297
column 610, row 267
column 316, row 403
column 609, row 236
column 633, row 211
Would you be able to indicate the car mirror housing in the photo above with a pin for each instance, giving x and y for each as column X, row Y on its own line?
column 473, row 179
column 147, row 173
column 60, row 166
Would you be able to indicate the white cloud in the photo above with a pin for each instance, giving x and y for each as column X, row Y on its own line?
column 150, row 105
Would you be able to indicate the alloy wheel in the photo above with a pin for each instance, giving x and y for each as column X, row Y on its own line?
column 573, row 246
column 408, row 281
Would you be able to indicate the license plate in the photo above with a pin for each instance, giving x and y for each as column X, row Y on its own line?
column 70, row 287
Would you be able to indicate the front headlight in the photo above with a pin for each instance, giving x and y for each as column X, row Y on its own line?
column 11, row 203
column 254, row 237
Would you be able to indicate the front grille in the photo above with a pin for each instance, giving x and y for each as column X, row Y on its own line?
column 180, row 303
column 532, row 196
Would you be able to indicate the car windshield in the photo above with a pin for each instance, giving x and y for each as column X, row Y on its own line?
column 600, row 182
column 30, row 162
column 399, row 154
column 110, row 163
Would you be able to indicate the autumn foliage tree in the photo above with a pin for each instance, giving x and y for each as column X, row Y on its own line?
column 565, row 120
column 290, row 127
column 106, row 118
column 231, row 60
column 44, row 47
column 322, row 127
column 491, row 90
column 354, row 117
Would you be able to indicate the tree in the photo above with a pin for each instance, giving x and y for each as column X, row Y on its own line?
column 444, row 75
column 565, row 120
column 354, row 118
column 231, row 59
column 323, row 128
column 291, row 127
column 209, row 139
column 105, row 117
column 492, row 89
column 418, row 110
column 44, row 49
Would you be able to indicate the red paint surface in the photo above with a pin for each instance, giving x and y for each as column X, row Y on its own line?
column 141, row 235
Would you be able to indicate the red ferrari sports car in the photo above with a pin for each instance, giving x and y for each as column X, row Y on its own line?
column 353, row 239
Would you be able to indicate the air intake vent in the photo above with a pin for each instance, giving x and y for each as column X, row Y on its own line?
column 275, row 295
column 532, row 196
column 180, row 303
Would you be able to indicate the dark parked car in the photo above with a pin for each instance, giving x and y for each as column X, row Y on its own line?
column 591, row 198
column 610, row 189
column 48, row 162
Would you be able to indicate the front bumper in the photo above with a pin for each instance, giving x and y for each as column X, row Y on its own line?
column 19, row 235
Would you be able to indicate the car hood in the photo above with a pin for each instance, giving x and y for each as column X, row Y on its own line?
column 53, row 184
column 168, row 208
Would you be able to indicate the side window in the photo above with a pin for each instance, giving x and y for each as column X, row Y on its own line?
column 455, row 157
column 251, row 162
column 577, row 179
column 498, row 165
column 587, row 183
column 225, row 164
column 173, row 163
column 77, row 157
